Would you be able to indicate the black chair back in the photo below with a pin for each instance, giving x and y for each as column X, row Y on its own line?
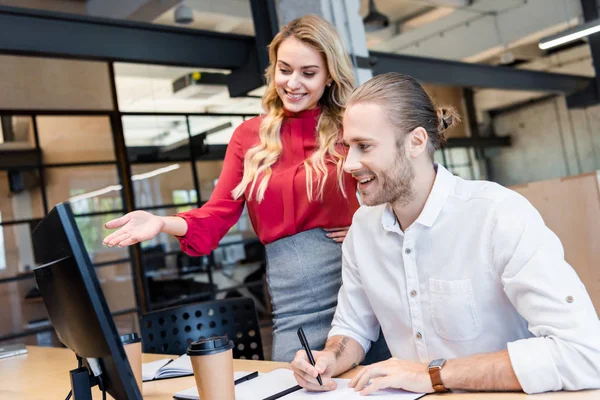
column 172, row 330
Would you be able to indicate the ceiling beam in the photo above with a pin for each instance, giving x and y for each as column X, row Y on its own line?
column 456, row 73
column 34, row 32
column 479, row 142
column 591, row 95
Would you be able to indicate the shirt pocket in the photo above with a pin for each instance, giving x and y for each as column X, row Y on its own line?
column 453, row 309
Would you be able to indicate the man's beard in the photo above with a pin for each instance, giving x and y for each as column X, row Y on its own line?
column 396, row 183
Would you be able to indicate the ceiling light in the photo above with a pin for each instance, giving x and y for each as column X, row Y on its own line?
column 375, row 20
column 115, row 188
column 571, row 34
column 155, row 172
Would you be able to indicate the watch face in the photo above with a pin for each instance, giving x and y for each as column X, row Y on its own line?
column 439, row 363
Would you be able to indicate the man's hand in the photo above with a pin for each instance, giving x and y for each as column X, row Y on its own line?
column 393, row 373
column 306, row 374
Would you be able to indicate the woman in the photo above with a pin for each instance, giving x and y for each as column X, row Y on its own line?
column 286, row 165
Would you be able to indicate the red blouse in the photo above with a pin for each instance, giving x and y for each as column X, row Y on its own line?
column 285, row 209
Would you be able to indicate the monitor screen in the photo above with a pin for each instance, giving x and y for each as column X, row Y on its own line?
column 75, row 302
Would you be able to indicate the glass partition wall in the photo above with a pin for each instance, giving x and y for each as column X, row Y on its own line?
column 123, row 140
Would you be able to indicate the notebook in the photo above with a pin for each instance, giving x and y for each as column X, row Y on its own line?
column 167, row 368
column 278, row 380
column 11, row 350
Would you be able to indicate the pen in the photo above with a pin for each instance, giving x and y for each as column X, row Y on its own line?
column 246, row 378
column 284, row 393
column 304, row 344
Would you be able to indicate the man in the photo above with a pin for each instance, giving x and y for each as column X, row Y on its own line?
column 470, row 288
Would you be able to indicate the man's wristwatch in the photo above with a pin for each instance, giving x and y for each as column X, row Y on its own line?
column 435, row 372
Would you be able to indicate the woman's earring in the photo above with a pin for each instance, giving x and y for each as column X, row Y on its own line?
column 329, row 84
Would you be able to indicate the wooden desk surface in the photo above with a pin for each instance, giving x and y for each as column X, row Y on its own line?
column 43, row 373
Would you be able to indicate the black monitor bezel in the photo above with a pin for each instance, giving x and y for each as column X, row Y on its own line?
column 125, row 377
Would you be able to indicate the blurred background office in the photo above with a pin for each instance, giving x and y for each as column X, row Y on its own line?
column 113, row 132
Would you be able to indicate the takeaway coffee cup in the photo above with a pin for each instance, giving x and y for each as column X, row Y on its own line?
column 212, row 361
column 132, row 344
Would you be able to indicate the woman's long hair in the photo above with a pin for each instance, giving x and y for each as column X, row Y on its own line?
column 322, row 36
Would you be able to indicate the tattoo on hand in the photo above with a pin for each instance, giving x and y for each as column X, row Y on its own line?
column 341, row 347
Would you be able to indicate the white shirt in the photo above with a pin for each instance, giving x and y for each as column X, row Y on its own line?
column 477, row 272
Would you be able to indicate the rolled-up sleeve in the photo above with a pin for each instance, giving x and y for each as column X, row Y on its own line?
column 546, row 291
column 354, row 316
column 208, row 224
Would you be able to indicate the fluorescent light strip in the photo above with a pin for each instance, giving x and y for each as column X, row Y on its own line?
column 570, row 35
column 155, row 172
column 96, row 193
column 114, row 188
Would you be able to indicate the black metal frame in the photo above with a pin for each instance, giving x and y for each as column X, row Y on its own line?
column 479, row 142
column 456, row 73
column 48, row 328
column 45, row 33
column 591, row 94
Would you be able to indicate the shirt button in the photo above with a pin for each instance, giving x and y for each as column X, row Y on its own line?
column 570, row 299
column 413, row 293
column 419, row 336
column 407, row 251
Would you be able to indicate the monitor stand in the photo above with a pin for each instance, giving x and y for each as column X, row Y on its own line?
column 82, row 381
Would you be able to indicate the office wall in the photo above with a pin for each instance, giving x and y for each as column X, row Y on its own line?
column 48, row 83
column 571, row 208
column 66, row 139
column 549, row 141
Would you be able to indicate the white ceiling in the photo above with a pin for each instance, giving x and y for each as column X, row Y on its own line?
column 148, row 88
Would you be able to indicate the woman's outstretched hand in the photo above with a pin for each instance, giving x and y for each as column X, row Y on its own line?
column 134, row 227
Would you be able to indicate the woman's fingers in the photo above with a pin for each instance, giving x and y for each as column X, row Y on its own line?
column 116, row 240
column 128, row 242
column 337, row 234
column 117, row 222
column 110, row 238
column 342, row 228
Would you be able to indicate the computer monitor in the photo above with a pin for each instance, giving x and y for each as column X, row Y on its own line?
column 75, row 302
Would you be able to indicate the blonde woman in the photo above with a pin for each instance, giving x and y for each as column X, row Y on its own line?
column 286, row 165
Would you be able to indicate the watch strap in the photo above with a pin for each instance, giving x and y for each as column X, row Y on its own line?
column 436, row 380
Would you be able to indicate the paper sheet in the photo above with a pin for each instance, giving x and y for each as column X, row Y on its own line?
column 280, row 379
column 150, row 369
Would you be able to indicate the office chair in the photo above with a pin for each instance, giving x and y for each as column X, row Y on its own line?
column 172, row 330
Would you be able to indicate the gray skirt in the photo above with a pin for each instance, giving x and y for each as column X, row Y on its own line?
column 304, row 275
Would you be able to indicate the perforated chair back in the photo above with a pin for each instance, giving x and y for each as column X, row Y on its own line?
column 172, row 330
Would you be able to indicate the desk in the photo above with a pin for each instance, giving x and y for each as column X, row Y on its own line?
column 43, row 374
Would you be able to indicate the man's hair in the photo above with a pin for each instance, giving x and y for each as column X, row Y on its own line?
column 407, row 106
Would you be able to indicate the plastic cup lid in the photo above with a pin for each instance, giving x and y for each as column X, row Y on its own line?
column 130, row 338
column 208, row 346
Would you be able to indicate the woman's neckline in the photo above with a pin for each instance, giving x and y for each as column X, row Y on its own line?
column 314, row 112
